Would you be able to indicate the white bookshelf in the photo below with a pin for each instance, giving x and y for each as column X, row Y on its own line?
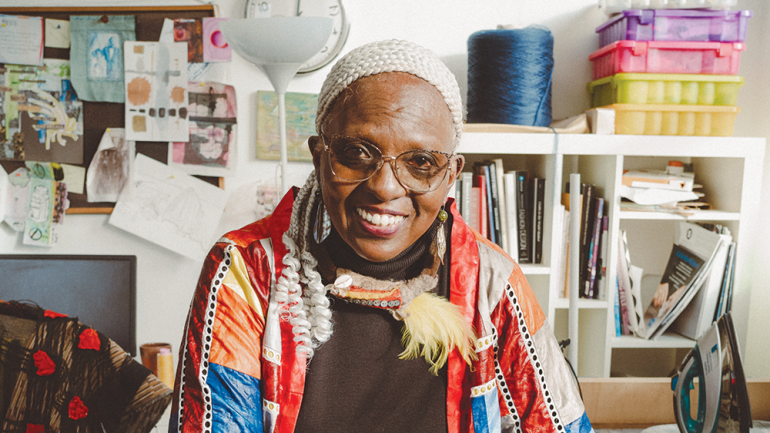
column 730, row 170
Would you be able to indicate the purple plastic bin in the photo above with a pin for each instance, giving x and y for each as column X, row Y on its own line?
column 675, row 25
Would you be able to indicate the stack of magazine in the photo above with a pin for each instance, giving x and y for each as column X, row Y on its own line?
column 692, row 291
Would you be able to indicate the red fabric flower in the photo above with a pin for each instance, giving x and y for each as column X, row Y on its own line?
column 44, row 364
column 35, row 428
column 77, row 410
column 89, row 339
column 53, row 314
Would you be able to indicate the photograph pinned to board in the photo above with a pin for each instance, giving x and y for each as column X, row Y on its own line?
column 96, row 55
column 190, row 31
column 156, row 92
column 215, row 47
column 42, row 115
column 17, row 199
column 300, row 125
column 169, row 208
column 212, row 114
column 22, row 40
column 110, row 168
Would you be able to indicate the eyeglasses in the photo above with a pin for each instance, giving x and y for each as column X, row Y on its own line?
column 356, row 160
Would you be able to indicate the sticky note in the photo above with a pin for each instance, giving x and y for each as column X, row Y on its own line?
column 74, row 177
column 57, row 33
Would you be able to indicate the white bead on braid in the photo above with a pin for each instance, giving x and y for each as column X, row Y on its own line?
column 309, row 313
column 391, row 56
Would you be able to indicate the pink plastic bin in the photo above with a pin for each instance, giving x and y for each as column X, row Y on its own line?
column 675, row 25
column 665, row 57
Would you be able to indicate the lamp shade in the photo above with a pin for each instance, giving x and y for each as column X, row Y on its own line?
column 279, row 45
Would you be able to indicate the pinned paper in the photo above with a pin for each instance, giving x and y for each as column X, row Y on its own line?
column 167, row 31
column 97, row 55
column 212, row 145
column 190, row 32
column 215, row 47
column 22, row 40
column 5, row 190
column 169, row 208
column 18, row 199
column 110, row 169
column 57, row 33
column 43, row 117
column 300, row 124
column 74, row 177
column 156, row 92
column 47, row 203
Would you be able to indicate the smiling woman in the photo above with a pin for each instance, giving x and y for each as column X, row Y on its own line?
column 364, row 302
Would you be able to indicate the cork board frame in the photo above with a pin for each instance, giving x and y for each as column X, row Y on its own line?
column 98, row 116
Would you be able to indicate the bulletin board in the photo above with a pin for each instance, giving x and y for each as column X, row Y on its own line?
column 98, row 116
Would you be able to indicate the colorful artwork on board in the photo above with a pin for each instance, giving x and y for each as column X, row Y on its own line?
column 97, row 55
column 211, row 149
column 156, row 92
column 41, row 114
column 215, row 47
column 300, row 124
column 190, row 32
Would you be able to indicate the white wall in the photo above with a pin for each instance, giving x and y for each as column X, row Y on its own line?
column 166, row 280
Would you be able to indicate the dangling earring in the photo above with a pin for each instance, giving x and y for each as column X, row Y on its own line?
column 441, row 235
column 323, row 224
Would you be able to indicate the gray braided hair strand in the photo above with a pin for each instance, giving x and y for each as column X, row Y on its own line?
column 309, row 314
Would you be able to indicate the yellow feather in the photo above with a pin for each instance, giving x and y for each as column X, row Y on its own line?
column 433, row 327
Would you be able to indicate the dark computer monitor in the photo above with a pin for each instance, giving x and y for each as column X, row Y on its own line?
column 99, row 290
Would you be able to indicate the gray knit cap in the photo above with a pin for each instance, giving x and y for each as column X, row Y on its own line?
column 391, row 56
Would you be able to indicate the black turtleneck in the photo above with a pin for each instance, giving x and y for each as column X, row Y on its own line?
column 355, row 381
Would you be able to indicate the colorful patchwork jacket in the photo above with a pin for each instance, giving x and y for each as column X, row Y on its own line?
column 239, row 371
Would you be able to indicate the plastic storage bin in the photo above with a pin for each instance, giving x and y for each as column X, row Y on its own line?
column 667, row 57
column 675, row 25
column 665, row 89
column 659, row 119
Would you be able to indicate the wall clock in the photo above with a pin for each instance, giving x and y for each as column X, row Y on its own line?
column 314, row 8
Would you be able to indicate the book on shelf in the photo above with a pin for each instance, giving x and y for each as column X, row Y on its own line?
column 502, row 204
column 476, row 212
column 658, row 180
column 726, row 293
column 688, row 266
column 538, row 204
column 495, row 208
column 629, row 290
column 620, row 324
column 467, row 184
column 523, row 224
column 593, row 249
column 698, row 315
column 586, row 224
column 482, row 170
column 509, row 187
column 601, row 267
column 563, row 267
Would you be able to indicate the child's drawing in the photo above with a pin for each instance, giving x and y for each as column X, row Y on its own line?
column 104, row 56
column 169, row 208
column 156, row 91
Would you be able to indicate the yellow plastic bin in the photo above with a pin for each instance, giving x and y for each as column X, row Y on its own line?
column 662, row 119
column 691, row 89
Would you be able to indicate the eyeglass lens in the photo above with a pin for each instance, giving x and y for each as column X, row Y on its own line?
column 356, row 159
